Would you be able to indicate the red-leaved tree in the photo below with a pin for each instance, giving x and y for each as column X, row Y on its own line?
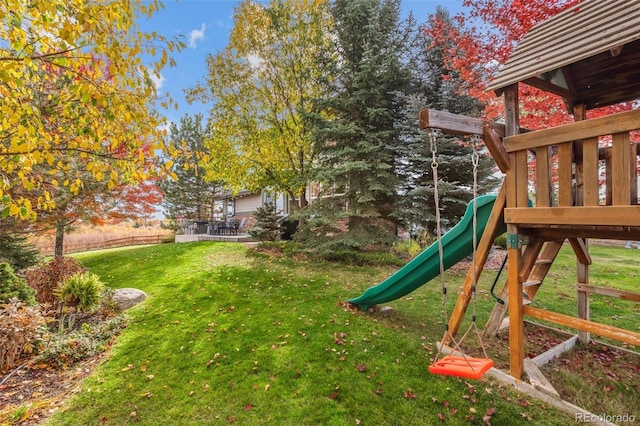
column 477, row 43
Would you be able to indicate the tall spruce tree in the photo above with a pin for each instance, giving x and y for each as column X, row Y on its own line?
column 355, row 135
column 190, row 195
column 432, row 86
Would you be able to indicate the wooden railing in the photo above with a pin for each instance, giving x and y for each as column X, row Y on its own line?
column 572, row 180
column 47, row 250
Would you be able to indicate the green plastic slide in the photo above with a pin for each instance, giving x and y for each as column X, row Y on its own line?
column 456, row 245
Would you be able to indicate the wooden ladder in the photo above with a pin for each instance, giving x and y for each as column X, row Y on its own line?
column 537, row 258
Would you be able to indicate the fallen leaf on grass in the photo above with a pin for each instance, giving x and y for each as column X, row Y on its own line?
column 408, row 394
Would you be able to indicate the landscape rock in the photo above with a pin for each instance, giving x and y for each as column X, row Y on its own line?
column 126, row 298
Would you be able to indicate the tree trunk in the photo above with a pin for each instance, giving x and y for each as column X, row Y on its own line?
column 302, row 203
column 59, row 247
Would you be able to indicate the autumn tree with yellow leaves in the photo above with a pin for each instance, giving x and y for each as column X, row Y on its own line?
column 262, row 87
column 77, row 100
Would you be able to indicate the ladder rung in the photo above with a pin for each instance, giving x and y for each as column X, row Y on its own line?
column 544, row 261
column 531, row 283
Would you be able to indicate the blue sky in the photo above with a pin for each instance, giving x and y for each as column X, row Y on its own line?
column 205, row 26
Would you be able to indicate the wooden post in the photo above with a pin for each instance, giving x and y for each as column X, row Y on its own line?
column 516, row 313
column 582, row 267
column 516, row 316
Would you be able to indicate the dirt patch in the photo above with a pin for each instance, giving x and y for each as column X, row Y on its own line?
column 40, row 390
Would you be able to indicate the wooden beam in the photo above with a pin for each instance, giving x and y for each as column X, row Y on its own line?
column 455, row 124
column 522, row 179
column 580, row 215
column 494, row 143
column 591, row 171
column 611, row 292
column 573, row 411
column 555, row 351
column 603, row 330
column 610, row 124
column 565, row 184
column 581, row 250
column 537, row 378
column 516, row 317
column 529, row 257
column 550, row 87
column 495, row 225
column 620, row 165
column 553, row 232
column 543, row 178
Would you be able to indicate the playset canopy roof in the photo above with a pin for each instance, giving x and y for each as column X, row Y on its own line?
column 588, row 54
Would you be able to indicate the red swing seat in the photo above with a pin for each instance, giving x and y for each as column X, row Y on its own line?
column 459, row 366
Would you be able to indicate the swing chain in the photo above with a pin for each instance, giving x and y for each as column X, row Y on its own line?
column 436, row 197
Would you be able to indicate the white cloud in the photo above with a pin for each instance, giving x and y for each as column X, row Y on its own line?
column 196, row 35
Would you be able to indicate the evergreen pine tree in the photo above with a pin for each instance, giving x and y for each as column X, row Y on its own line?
column 356, row 135
column 266, row 226
column 12, row 286
column 16, row 250
column 190, row 195
column 429, row 89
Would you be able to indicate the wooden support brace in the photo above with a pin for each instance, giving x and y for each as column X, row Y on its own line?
column 490, row 233
column 581, row 250
column 603, row 330
column 494, row 143
column 611, row 292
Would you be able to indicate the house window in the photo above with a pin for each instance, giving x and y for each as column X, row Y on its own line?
column 267, row 198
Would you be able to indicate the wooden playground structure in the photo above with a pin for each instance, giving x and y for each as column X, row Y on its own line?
column 584, row 174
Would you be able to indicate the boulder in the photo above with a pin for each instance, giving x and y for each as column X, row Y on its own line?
column 125, row 298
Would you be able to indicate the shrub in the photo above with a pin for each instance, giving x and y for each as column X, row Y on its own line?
column 266, row 226
column 425, row 239
column 409, row 247
column 84, row 291
column 46, row 278
column 20, row 329
column 12, row 286
column 501, row 241
column 63, row 349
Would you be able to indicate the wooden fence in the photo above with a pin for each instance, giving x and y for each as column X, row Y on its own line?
column 48, row 249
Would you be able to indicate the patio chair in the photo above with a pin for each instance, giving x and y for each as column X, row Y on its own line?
column 232, row 226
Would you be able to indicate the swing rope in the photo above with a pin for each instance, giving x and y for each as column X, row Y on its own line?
column 462, row 366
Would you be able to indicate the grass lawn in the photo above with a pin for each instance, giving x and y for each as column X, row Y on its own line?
column 231, row 335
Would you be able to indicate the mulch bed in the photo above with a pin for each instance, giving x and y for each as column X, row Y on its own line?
column 42, row 388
